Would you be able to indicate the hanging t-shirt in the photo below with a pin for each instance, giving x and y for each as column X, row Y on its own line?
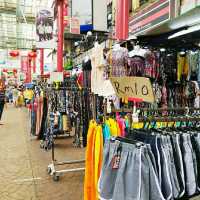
column 97, row 74
column 136, row 66
column 119, row 59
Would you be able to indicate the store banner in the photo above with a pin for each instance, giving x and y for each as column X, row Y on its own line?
column 24, row 64
column 133, row 87
column 155, row 14
column 44, row 29
column 74, row 25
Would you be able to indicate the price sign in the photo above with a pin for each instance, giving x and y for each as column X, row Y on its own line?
column 133, row 87
column 56, row 77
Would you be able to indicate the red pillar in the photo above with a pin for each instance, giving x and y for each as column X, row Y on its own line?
column 29, row 77
column 41, row 61
column 60, row 20
column 122, row 19
column 34, row 65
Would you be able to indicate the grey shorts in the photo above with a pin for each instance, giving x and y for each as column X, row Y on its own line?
column 135, row 179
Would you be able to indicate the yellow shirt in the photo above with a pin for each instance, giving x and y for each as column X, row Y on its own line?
column 28, row 94
column 114, row 127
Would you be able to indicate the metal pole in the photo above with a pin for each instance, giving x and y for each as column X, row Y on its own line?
column 60, row 20
column 41, row 61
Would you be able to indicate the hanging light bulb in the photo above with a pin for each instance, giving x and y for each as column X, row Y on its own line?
column 182, row 53
column 162, row 49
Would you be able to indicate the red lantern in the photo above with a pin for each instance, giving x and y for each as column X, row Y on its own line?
column 14, row 71
column 32, row 54
column 14, row 53
column 5, row 70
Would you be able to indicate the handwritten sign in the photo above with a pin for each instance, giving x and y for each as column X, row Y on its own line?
column 135, row 87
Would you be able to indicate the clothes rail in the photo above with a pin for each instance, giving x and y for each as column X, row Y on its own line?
column 169, row 119
column 128, row 110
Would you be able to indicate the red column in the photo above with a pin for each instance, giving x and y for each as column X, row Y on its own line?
column 41, row 61
column 122, row 19
column 34, row 65
column 29, row 77
column 60, row 20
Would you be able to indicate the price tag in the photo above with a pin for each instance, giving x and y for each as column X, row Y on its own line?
column 117, row 158
column 116, row 161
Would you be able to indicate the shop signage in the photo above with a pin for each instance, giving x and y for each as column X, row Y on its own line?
column 56, row 77
column 152, row 16
column 133, row 87
column 24, row 64
column 74, row 25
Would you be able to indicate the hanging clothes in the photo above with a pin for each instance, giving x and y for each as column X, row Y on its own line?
column 118, row 59
column 183, row 67
column 97, row 74
column 87, row 67
column 94, row 155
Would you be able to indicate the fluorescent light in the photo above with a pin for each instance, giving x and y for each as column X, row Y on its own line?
column 184, row 32
column 162, row 49
column 182, row 53
column 132, row 37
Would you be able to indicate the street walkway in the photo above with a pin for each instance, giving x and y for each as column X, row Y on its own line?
column 23, row 174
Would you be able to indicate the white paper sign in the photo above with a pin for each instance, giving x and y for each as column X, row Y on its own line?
column 56, row 77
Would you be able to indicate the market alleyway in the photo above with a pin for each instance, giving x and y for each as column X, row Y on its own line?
column 23, row 174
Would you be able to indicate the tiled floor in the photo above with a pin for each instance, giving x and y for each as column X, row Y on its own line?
column 23, row 164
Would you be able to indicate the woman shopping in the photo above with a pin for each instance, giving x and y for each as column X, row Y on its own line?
column 2, row 99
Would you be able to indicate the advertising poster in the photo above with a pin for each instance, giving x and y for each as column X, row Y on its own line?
column 44, row 29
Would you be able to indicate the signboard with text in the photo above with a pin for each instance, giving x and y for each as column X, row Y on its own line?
column 153, row 15
column 133, row 87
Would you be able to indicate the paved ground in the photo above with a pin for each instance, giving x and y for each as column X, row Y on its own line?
column 23, row 164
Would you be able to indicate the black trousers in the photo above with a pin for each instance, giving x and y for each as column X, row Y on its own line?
column 1, row 108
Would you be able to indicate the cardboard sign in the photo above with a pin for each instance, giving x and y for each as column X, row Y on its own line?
column 56, row 77
column 135, row 87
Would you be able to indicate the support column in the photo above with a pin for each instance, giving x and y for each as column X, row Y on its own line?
column 60, row 21
column 41, row 61
column 34, row 65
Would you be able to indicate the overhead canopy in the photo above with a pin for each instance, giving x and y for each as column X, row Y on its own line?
column 178, row 39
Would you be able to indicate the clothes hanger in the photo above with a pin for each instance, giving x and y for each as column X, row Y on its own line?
column 129, row 141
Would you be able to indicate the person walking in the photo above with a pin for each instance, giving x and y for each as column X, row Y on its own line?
column 15, row 96
column 2, row 99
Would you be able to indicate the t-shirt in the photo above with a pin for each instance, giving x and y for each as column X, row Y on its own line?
column 28, row 94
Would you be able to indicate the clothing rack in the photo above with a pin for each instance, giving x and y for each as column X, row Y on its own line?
column 128, row 110
column 52, row 167
column 168, row 119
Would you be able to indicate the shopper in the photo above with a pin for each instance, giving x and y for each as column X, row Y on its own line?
column 2, row 99
column 15, row 96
